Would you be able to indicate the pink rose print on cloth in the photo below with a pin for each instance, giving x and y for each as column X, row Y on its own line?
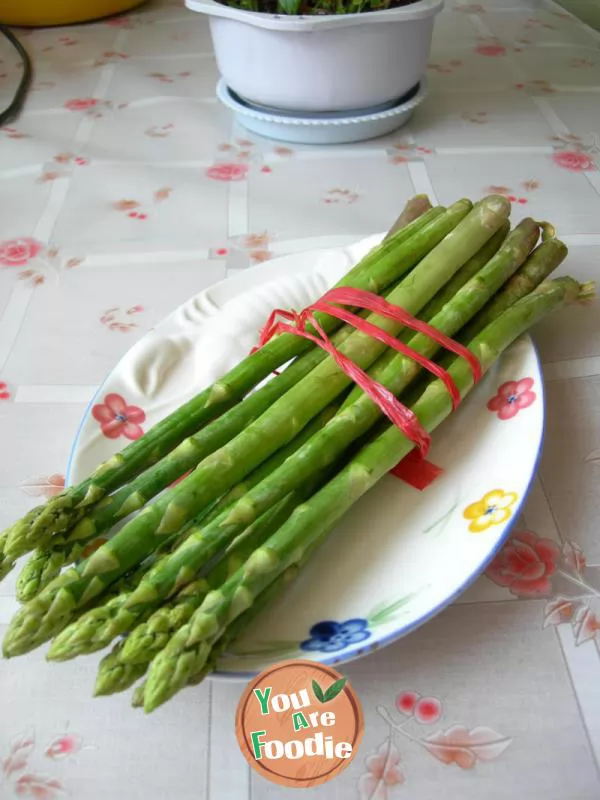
column 40, row 787
column 525, row 564
column 531, row 566
column 18, row 252
column 116, row 418
column 574, row 161
column 493, row 49
column 18, row 754
column 5, row 393
column 425, row 710
column 512, row 397
column 457, row 744
column 81, row 103
column 383, row 773
column 465, row 748
column 228, row 172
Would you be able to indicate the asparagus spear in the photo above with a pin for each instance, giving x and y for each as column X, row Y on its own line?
column 130, row 659
column 465, row 273
column 542, row 262
column 47, row 561
column 189, row 649
column 233, row 632
column 381, row 267
column 99, row 626
column 54, row 607
column 415, row 208
column 45, row 564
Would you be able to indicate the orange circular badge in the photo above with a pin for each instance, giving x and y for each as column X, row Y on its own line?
column 299, row 723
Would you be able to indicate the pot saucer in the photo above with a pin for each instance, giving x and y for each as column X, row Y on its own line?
column 350, row 112
column 323, row 128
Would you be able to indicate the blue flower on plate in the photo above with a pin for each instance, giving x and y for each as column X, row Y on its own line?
column 329, row 636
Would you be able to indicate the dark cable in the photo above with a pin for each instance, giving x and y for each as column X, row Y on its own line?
column 14, row 109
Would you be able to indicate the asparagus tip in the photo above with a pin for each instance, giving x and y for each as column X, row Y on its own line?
column 548, row 230
column 587, row 292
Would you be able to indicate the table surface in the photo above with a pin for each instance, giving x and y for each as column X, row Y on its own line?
column 130, row 191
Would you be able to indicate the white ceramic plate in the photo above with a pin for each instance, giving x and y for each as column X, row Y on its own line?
column 402, row 555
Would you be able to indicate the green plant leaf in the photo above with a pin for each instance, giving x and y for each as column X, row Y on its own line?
column 335, row 689
column 318, row 692
column 288, row 6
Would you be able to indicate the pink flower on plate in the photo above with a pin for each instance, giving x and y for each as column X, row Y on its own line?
column 382, row 773
column 64, row 746
column 525, row 564
column 491, row 50
column 512, row 397
column 18, row 252
column 4, row 391
column 81, row 103
column 40, row 787
column 228, row 172
column 574, row 160
column 116, row 418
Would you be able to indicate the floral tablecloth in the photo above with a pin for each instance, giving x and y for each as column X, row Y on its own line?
column 125, row 190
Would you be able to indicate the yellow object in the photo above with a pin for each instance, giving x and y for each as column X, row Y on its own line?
column 37, row 13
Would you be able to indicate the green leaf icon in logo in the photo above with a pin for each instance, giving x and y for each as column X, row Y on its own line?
column 318, row 692
column 331, row 693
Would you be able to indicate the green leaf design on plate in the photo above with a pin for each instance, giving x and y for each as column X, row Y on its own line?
column 318, row 692
column 335, row 689
column 442, row 521
column 381, row 614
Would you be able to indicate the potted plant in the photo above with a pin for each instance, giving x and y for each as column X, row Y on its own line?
column 321, row 55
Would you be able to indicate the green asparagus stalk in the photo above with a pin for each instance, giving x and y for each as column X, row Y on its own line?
column 95, row 629
column 130, row 658
column 542, row 262
column 44, row 565
column 114, row 676
column 189, row 649
column 54, row 607
column 54, row 552
column 331, row 442
column 125, row 672
column 100, row 625
column 381, row 267
column 416, row 207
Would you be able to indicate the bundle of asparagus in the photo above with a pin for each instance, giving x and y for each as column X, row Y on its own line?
column 272, row 470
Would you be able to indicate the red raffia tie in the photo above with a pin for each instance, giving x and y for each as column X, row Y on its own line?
column 413, row 469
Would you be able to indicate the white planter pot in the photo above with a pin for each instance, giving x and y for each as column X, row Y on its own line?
column 321, row 63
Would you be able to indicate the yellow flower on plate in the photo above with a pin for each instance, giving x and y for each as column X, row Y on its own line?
column 494, row 508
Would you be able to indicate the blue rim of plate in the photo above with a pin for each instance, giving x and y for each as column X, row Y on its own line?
column 354, row 653
column 240, row 106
